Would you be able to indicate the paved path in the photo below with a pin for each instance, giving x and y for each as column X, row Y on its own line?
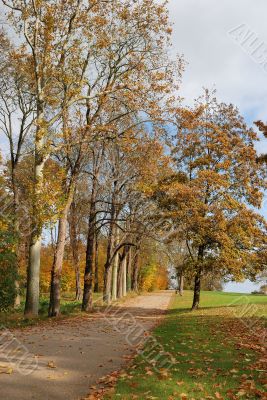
column 73, row 354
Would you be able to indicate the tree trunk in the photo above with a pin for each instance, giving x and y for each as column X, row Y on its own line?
column 33, row 271
column 110, row 249
column 96, row 281
column 56, row 272
column 115, row 266
column 107, row 284
column 33, row 277
column 135, row 270
column 124, row 276
column 75, row 249
column 87, row 303
column 197, row 286
column 115, row 277
column 120, row 280
column 129, row 270
column 16, row 230
column 181, row 283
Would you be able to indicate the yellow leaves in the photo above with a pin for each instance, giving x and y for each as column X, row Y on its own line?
column 100, row 21
column 124, row 14
column 6, row 370
column 103, row 41
column 51, row 364
column 164, row 374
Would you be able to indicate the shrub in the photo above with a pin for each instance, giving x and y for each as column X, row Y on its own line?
column 8, row 270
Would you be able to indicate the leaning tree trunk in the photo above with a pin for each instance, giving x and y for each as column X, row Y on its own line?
column 56, row 272
column 75, row 249
column 197, row 286
column 33, row 271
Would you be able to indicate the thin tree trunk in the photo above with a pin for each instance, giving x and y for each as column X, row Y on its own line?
column 181, row 283
column 56, row 272
column 87, row 303
column 197, row 286
column 75, row 250
column 135, row 270
column 124, row 276
column 120, row 280
column 129, row 270
column 110, row 249
column 115, row 267
column 96, row 281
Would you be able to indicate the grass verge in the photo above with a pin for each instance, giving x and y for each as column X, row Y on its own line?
column 69, row 308
column 218, row 351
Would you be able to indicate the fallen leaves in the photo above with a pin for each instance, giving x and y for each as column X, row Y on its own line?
column 6, row 370
column 51, row 364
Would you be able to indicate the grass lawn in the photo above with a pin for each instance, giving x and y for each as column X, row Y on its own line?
column 69, row 308
column 218, row 352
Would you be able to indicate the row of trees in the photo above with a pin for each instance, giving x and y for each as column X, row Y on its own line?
column 101, row 153
column 80, row 97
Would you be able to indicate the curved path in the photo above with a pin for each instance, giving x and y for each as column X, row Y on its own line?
column 62, row 361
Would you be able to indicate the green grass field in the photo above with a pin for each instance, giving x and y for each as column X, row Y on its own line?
column 69, row 308
column 218, row 352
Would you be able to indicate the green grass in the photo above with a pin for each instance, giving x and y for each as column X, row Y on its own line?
column 217, row 351
column 69, row 308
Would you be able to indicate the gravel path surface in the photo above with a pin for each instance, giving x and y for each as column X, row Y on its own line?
column 71, row 355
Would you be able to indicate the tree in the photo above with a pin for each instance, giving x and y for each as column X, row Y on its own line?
column 16, row 118
column 216, row 180
column 52, row 33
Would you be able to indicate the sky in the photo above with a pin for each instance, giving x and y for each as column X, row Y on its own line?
column 215, row 38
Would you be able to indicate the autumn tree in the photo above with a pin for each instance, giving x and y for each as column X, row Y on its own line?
column 131, row 62
column 16, row 118
column 215, row 183
column 53, row 35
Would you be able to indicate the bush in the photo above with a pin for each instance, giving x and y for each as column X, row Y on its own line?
column 8, row 270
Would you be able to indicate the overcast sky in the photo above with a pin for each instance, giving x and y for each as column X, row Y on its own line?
column 215, row 58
